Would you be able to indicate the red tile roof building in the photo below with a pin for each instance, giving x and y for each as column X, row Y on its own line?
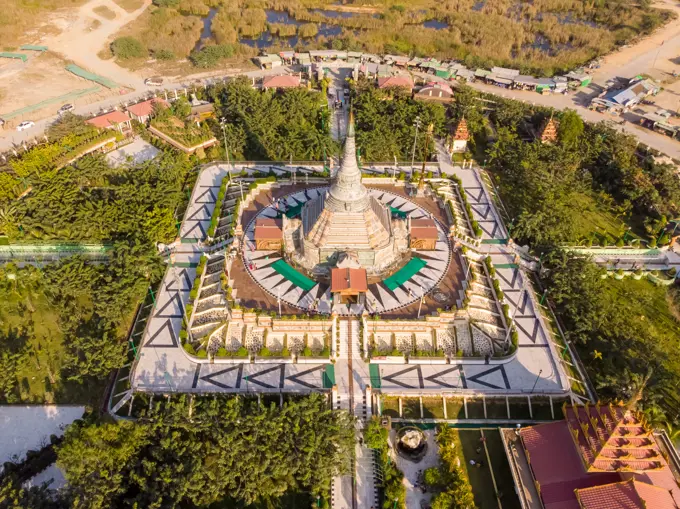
column 590, row 460
column 268, row 234
column 142, row 111
column 629, row 494
column 112, row 120
column 282, row 81
column 349, row 280
column 399, row 80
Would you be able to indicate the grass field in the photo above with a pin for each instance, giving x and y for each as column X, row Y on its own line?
column 501, row 470
column 480, row 477
column 40, row 378
column 19, row 17
column 104, row 12
column 390, row 406
column 433, row 408
column 593, row 219
column 129, row 5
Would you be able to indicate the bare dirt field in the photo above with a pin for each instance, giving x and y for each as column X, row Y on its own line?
column 43, row 77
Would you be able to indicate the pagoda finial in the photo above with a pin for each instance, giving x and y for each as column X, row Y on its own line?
column 350, row 124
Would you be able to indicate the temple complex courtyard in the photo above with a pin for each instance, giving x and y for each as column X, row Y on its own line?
column 365, row 287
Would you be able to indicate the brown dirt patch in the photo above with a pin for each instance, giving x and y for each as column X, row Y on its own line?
column 129, row 5
column 104, row 12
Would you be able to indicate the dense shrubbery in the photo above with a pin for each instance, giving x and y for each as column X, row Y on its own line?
column 209, row 56
column 632, row 324
column 128, row 47
column 448, row 480
column 385, row 128
column 193, row 453
column 272, row 125
column 375, row 437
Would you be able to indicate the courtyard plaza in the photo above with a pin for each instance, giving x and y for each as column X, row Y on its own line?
column 164, row 366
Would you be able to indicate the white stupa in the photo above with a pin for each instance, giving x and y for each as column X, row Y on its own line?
column 347, row 219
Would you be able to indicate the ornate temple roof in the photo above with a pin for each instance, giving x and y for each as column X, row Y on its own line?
column 549, row 133
column 613, row 438
column 630, row 494
column 462, row 131
column 347, row 216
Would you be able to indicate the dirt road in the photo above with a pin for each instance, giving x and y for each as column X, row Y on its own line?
column 81, row 44
column 656, row 51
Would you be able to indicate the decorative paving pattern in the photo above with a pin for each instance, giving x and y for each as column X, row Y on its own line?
column 258, row 377
column 380, row 299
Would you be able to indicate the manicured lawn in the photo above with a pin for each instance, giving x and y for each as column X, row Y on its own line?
column 411, row 408
column 390, row 406
column 433, row 408
column 594, row 219
column 501, row 470
column 455, row 408
column 519, row 408
column 496, row 408
column 475, row 409
column 480, row 477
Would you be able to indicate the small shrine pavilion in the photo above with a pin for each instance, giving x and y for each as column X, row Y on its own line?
column 268, row 234
column 460, row 137
column 423, row 234
column 549, row 132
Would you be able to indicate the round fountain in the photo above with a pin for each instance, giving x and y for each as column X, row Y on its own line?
column 411, row 443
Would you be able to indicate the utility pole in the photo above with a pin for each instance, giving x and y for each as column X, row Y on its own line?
column 416, row 124
column 223, row 123
column 421, row 182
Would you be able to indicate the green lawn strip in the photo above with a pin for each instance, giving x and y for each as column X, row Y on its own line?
column 592, row 219
column 479, row 477
column 496, row 408
column 411, row 408
column 501, row 470
column 519, row 408
column 390, row 406
column 433, row 408
column 475, row 409
column 455, row 408
column 541, row 409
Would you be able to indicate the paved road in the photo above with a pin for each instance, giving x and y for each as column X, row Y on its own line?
column 9, row 138
column 576, row 102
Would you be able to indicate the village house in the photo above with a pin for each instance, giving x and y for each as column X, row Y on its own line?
column 115, row 119
column 141, row 112
column 435, row 91
column 281, row 81
column 400, row 80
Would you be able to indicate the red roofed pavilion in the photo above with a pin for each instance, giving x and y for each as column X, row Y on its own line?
column 400, row 80
column 282, row 81
column 142, row 111
column 629, row 494
column 113, row 120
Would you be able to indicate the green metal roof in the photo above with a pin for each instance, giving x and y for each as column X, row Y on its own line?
column 18, row 56
column 32, row 47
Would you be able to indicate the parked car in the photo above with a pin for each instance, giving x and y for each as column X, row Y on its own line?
column 66, row 108
column 26, row 124
column 153, row 82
